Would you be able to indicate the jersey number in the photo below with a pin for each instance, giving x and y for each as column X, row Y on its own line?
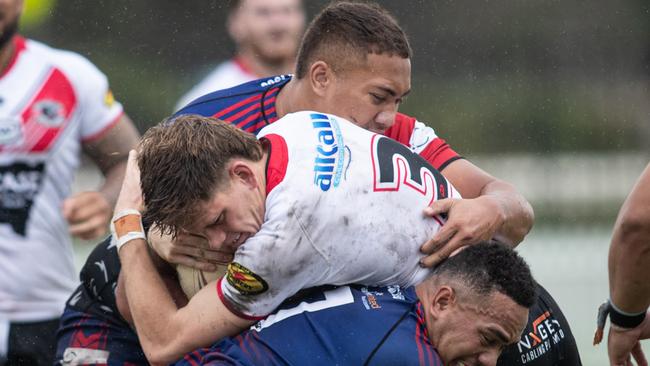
column 395, row 164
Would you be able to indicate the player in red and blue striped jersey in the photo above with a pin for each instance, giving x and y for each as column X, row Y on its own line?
column 356, row 325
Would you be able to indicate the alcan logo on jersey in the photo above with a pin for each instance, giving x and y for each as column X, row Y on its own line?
column 330, row 151
column 48, row 112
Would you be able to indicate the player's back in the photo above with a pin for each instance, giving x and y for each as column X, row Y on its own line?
column 344, row 205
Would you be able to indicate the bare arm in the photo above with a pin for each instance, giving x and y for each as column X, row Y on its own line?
column 629, row 253
column 629, row 274
column 490, row 208
column 88, row 212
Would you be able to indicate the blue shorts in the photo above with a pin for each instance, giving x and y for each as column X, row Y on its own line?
column 85, row 339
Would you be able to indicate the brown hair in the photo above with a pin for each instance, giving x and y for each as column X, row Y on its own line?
column 183, row 161
column 345, row 30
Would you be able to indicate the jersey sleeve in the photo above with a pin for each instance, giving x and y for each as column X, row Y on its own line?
column 98, row 108
column 272, row 265
column 423, row 140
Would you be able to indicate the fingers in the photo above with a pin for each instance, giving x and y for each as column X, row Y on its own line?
column 90, row 229
column 444, row 251
column 439, row 240
column 439, row 207
column 637, row 354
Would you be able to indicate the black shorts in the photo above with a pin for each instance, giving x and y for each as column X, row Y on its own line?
column 547, row 339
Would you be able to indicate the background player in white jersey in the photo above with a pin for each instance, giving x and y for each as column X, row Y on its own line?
column 52, row 104
column 304, row 206
column 266, row 35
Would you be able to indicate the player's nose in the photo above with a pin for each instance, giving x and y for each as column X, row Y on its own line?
column 216, row 238
column 489, row 357
column 384, row 120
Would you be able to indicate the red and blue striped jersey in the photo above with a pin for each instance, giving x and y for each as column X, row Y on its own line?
column 347, row 325
column 251, row 107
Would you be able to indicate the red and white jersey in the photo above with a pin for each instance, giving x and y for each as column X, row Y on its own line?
column 51, row 101
column 344, row 205
column 227, row 74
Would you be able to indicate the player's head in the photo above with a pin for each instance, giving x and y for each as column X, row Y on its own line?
column 10, row 11
column 356, row 59
column 476, row 303
column 269, row 29
column 202, row 175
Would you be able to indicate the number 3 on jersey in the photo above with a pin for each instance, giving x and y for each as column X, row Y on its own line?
column 395, row 164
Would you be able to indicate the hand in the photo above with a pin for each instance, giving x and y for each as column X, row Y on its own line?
column 130, row 195
column 189, row 250
column 469, row 221
column 88, row 214
column 623, row 344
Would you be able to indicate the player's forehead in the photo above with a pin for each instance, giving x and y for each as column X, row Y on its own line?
column 502, row 317
column 380, row 70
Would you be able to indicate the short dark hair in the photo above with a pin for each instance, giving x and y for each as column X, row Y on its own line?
column 183, row 161
column 345, row 30
column 486, row 267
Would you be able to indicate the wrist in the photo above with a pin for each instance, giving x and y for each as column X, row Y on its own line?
column 126, row 226
column 625, row 319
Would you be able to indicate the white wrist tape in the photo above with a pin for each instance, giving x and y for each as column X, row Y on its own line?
column 128, row 228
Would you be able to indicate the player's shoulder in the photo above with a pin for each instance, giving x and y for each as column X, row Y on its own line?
column 213, row 102
column 74, row 65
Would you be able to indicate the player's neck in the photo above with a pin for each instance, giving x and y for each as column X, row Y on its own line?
column 259, row 68
column 293, row 97
column 6, row 54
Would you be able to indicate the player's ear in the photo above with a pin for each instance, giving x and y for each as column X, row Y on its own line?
column 235, row 26
column 320, row 77
column 444, row 298
column 242, row 171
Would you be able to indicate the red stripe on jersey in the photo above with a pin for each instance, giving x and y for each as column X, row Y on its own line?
column 231, row 307
column 47, row 114
column 225, row 111
column 19, row 44
column 439, row 154
column 402, row 129
column 244, row 67
column 418, row 342
column 98, row 135
column 276, row 166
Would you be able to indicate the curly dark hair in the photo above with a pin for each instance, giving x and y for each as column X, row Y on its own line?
column 491, row 266
column 345, row 31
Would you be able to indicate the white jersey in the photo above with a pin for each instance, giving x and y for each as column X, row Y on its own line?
column 51, row 101
column 226, row 75
column 343, row 206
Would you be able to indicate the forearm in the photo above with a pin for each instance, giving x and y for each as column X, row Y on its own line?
column 153, row 309
column 516, row 213
column 629, row 254
column 113, row 182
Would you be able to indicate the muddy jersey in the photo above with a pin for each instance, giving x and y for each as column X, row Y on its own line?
column 225, row 75
column 343, row 205
column 51, row 101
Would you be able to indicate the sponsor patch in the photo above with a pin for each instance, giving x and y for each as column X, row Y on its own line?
column 84, row 356
column 109, row 99
column 244, row 280
column 49, row 112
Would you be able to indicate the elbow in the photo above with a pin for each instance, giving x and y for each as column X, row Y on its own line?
column 525, row 221
column 634, row 229
column 159, row 354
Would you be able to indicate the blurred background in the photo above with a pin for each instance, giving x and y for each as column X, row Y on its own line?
column 550, row 95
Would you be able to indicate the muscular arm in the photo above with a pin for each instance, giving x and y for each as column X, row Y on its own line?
column 629, row 253
column 88, row 212
column 167, row 332
column 490, row 208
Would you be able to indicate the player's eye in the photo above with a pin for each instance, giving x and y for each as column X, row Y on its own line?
column 377, row 99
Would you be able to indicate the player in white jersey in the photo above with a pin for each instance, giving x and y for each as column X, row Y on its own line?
column 53, row 103
column 266, row 34
column 305, row 206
